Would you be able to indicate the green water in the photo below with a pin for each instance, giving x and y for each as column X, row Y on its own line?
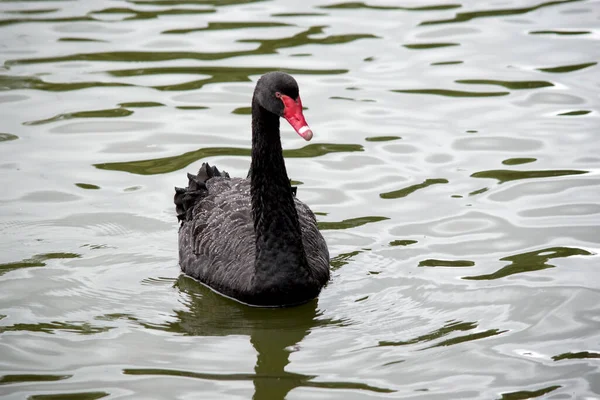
column 453, row 172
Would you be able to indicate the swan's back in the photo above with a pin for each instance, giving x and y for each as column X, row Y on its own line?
column 216, row 237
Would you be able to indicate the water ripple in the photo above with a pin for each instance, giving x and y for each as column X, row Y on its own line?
column 531, row 261
column 170, row 164
column 506, row 175
column 502, row 12
column 456, row 186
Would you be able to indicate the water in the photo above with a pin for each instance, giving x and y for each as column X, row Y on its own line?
column 454, row 170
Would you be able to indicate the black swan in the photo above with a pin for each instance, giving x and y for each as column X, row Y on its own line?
column 252, row 239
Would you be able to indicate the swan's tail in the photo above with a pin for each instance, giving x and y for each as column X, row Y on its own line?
column 185, row 198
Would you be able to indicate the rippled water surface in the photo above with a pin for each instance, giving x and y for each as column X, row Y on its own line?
column 454, row 172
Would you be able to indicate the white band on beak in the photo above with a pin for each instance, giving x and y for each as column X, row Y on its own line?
column 303, row 129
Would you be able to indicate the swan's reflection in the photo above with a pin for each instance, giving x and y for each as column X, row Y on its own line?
column 273, row 332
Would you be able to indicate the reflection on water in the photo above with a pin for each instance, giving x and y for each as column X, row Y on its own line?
column 170, row 164
column 39, row 260
column 506, row 175
column 503, row 12
column 408, row 190
column 453, row 173
column 531, row 261
column 274, row 334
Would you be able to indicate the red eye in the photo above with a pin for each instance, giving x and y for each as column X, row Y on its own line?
column 278, row 95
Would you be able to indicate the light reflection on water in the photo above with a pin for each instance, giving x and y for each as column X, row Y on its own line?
column 453, row 172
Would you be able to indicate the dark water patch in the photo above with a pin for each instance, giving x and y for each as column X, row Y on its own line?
column 132, row 14
column 270, row 46
column 69, row 396
column 507, row 175
column 451, row 93
column 6, row 137
column 216, row 26
column 214, row 3
column 574, row 113
column 266, row 46
column 79, row 39
column 479, row 191
column 142, row 104
column 216, row 74
column 299, row 14
column 567, row 68
column 82, row 328
column 582, row 355
column 300, row 380
column 8, row 82
column 387, row 364
column 13, row 21
column 361, row 299
column 531, row 261
column 469, row 338
column 560, row 33
column 140, row 56
column 36, row 11
column 340, row 260
column 454, row 326
column 137, row 15
column 400, row 242
column 242, row 111
column 445, row 263
column 514, row 85
column 447, row 63
column 426, row 46
column 528, row 394
column 38, row 260
column 28, row 378
column 350, row 223
column 361, row 5
column 175, row 163
column 116, row 317
column 396, row 194
column 351, row 99
column 96, row 246
column 502, row 12
column 518, row 161
column 301, row 55
column 88, row 186
column 341, row 98
column 192, row 108
column 108, row 113
column 382, row 138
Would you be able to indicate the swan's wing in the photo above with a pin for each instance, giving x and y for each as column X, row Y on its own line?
column 216, row 238
column 315, row 246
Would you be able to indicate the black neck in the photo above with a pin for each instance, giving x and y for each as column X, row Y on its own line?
column 279, row 248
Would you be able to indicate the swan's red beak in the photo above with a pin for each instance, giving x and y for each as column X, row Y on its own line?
column 292, row 112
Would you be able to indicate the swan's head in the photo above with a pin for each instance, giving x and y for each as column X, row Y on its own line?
column 278, row 93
